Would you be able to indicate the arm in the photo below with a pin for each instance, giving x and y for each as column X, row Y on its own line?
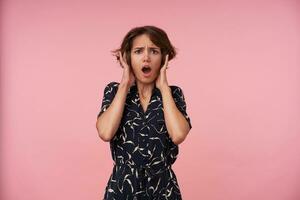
column 108, row 122
column 176, row 123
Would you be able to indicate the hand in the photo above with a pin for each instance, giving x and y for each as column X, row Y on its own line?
column 128, row 75
column 161, row 80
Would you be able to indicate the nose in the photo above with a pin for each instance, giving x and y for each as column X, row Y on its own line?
column 146, row 55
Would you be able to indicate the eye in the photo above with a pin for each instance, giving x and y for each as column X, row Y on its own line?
column 155, row 52
column 137, row 51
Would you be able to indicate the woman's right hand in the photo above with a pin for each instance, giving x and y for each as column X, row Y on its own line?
column 128, row 75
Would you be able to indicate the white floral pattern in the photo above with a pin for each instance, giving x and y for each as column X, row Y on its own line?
column 142, row 151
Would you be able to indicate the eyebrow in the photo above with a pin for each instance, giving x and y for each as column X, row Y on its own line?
column 144, row 47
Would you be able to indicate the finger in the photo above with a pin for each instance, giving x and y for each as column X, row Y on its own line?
column 121, row 59
column 166, row 60
column 165, row 66
column 124, row 56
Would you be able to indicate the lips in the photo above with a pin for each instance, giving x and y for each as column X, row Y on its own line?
column 146, row 69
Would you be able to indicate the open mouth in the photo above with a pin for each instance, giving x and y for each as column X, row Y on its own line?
column 146, row 69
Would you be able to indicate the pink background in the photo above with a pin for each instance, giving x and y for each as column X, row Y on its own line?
column 238, row 64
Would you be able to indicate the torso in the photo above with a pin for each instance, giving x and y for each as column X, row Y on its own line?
column 142, row 150
column 145, row 103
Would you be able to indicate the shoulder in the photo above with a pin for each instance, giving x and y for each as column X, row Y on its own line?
column 176, row 89
column 177, row 92
column 112, row 85
column 111, row 88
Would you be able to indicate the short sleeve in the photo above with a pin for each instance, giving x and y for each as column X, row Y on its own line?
column 179, row 99
column 109, row 93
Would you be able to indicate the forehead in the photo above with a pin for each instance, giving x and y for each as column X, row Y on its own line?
column 142, row 40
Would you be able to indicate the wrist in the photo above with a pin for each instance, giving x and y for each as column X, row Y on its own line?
column 126, row 86
column 165, row 88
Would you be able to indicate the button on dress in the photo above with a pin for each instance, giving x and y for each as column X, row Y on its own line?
column 142, row 150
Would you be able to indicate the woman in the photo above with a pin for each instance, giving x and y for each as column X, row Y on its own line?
column 144, row 119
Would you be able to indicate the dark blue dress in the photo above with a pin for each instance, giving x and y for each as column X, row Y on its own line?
column 141, row 149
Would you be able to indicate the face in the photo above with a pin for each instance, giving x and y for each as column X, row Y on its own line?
column 145, row 59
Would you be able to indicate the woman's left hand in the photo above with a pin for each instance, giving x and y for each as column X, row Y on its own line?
column 161, row 80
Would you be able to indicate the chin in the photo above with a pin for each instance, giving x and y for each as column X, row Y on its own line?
column 147, row 80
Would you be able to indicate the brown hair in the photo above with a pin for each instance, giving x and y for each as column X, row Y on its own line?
column 158, row 36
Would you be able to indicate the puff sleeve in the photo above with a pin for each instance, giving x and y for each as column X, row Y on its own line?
column 109, row 93
column 179, row 99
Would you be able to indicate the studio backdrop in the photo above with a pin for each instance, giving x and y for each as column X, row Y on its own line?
column 238, row 64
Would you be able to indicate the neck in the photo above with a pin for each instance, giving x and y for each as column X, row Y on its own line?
column 145, row 90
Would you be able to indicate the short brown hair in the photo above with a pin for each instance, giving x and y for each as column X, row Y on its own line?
column 158, row 36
